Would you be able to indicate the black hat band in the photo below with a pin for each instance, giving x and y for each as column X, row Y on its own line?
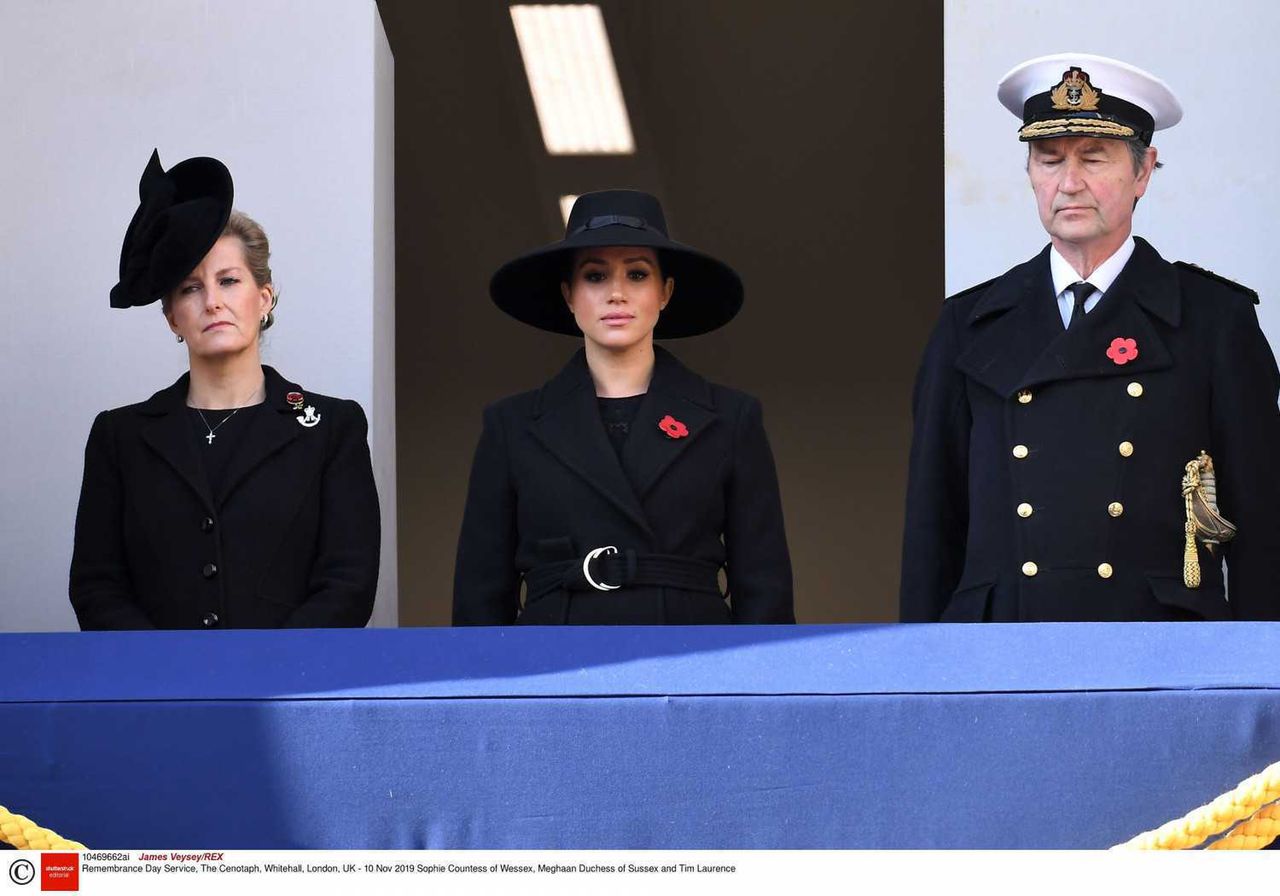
column 631, row 221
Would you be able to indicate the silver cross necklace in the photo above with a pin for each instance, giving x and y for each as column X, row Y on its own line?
column 210, row 437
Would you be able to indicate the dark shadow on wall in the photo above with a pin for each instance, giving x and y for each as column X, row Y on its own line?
column 800, row 142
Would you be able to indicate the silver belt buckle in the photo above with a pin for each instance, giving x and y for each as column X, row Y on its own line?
column 586, row 568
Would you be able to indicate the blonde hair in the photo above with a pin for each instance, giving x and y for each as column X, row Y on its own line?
column 257, row 255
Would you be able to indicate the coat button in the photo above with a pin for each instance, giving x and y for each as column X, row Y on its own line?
column 1115, row 508
column 1126, row 449
column 210, row 570
column 1024, row 397
column 1024, row 510
column 1135, row 389
column 1105, row 570
column 1020, row 451
column 210, row 620
column 1029, row 568
column 206, row 524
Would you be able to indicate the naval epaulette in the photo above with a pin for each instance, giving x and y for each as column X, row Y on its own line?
column 1196, row 269
column 972, row 289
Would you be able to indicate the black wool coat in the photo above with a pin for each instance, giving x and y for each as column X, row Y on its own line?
column 547, row 487
column 291, row 539
column 1088, row 523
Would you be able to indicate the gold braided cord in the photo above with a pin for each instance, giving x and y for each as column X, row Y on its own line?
column 1196, row 826
column 22, row 832
column 1256, row 832
column 1083, row 127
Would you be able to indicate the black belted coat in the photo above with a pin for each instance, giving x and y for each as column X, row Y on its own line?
column 547, row 487
column 1045, row 479
column 290, row 540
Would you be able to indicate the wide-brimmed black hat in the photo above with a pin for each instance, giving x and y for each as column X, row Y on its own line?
column 708, row 293
column 181, row 213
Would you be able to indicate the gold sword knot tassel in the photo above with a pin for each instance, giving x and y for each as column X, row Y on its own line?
column 1204, row 524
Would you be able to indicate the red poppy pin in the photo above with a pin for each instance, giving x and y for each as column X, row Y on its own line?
column 673, row 427
column 1123, row 350
column 295, row 400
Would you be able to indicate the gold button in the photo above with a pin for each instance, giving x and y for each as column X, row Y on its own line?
column 1126, row 449
column 1029, row 568
column 1115, row 508
column 1020, row 451
column 1024, row 397
column 1105, row 570
column 1024, row 510
column 1135, row 389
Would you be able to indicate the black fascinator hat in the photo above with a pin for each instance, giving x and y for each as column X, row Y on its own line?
column 181, row 213
column 708, row 292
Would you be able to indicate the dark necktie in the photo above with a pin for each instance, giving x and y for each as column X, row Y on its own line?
column 1081, row 291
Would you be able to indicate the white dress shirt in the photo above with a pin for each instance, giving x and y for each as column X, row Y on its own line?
column 1064, row 275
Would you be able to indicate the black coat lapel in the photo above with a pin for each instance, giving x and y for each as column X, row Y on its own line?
column 1147, row 286
column 1015, row 320
column 675, row 392
column 567, row 423
column 275, row 427
column 169, row 434
column 1021, row 341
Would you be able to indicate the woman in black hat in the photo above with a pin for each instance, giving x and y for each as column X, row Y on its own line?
column 618, row 491
column 233, row 498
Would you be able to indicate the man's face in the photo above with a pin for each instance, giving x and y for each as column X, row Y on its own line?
column 1086, row 187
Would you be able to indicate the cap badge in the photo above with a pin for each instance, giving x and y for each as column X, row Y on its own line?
column 295, row 400
column 310, row 418
column 1074, row 93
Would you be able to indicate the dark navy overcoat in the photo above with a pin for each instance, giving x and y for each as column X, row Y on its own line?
column 547, row 487
column 1045, row 478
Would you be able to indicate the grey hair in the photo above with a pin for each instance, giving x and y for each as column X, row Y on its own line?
column 1139, row 153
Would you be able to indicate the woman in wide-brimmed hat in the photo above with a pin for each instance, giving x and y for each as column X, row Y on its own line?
column 618, row 491
column 233, row 498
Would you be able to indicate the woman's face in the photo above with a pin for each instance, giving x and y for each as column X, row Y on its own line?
column 218, row 308
column 616, row 294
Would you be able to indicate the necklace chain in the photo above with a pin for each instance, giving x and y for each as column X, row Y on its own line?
column 210, row 437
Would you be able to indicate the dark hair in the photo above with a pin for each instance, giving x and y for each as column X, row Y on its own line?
column 566, row 266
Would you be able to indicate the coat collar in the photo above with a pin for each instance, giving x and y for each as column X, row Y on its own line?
column 1019, row 340
column 566, row 420
column 169, row 434
column 669, row 376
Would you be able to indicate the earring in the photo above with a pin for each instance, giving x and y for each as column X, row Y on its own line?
column 264, row 319
column 180, row 339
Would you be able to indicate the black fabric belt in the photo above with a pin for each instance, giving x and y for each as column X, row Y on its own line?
column 625, row 568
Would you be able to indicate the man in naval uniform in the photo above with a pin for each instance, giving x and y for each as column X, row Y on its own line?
column 1096, row 429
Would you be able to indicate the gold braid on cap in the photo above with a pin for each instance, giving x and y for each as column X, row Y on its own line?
column 1085, row 127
